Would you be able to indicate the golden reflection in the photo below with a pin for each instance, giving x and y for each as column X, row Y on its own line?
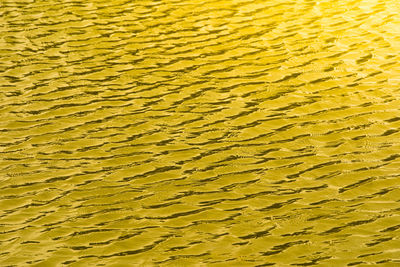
column 199, row 133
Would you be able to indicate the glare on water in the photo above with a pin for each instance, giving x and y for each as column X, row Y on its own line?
column 199, row 133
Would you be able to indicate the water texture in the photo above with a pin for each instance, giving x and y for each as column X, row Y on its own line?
column 199, row 133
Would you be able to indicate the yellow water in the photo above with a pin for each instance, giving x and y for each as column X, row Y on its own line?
column 199, row 133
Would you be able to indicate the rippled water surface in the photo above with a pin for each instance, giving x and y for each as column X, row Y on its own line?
column 199, row 133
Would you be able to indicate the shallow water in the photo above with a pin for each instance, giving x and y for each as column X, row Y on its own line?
column 199, row 133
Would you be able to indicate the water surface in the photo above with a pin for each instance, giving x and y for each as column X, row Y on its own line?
column 199, row 133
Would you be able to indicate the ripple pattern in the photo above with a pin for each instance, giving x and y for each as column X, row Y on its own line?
column 199, row 133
